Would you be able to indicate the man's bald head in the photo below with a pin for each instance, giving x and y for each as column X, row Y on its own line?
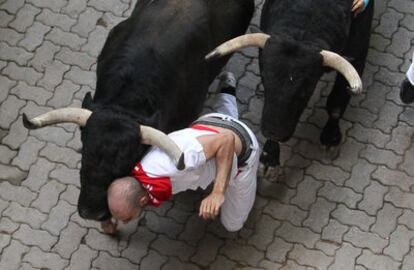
column 125, row 198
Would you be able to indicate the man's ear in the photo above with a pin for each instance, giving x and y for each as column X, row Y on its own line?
column 143, row 201
column 87, row 101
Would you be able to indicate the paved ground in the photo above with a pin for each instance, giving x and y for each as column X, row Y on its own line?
column 355, row 212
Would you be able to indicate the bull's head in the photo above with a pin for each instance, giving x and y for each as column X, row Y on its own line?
column 112, row 143
column 290, row 72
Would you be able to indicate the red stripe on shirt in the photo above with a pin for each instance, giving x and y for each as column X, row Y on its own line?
column 201, row 127
column 159, row 188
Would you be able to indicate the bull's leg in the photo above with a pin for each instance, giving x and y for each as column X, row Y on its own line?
column 336, row 105
column 337, row 102
column 357, row 49
column 270, row 160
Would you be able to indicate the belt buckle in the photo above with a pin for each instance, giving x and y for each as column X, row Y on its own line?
column 222, row 117
column 227, row 118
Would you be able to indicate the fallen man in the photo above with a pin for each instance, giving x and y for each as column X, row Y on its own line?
column 217, row 147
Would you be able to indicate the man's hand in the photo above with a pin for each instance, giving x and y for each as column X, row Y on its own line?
column 109, row 227
column 210, row 206
column 358, row 6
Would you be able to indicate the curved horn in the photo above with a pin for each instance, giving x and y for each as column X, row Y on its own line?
column 340, row 64
column 73, row 115
column 155, row 137
column 248, row 40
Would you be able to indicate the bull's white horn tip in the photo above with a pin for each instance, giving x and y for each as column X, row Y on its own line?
column 356, row 89
column 29, row 124
column 180, row 163
column 213, row 55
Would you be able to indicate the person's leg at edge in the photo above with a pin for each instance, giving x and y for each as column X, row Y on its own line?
column 407, row 86
column 410, row 72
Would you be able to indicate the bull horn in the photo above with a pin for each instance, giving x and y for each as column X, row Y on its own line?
column 152, row 136
column 248, row 40
column 73, row 115
column 340, row 64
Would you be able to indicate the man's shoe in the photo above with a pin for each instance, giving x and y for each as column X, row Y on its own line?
column 407, row 92
column 227, row 83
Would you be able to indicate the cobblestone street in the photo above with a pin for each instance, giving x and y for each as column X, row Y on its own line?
column 354, row 212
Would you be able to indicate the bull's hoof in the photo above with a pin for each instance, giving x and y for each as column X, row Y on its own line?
column 269, row 160
column 331, row 135
column 330, row 152
column 269, row 172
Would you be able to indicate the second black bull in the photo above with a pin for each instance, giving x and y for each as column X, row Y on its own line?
column 299, row 38
column 150, row 73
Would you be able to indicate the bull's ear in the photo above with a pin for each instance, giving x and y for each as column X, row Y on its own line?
column 87, row 101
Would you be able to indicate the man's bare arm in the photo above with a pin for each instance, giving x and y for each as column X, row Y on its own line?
column 221, row 147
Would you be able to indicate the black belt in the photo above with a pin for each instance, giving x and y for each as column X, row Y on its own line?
column 234, row 126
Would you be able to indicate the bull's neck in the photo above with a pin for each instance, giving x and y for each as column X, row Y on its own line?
column 149, row 117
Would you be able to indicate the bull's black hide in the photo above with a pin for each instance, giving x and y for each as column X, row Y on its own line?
column 151, row 71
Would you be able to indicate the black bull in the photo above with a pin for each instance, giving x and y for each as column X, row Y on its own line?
column 295, row 35
column 151, row 71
